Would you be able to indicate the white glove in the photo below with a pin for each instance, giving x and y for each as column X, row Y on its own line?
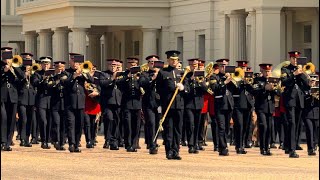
column 180, row 86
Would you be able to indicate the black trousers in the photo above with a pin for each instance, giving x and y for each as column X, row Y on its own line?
column 8, row 120
column 74, row 121
column 152, row 119
column 111, row 120
column 86, row 127
column 44, row 116
column 238, row 127
column 26, row 116
column 214, row 131
column 35, row 129
column 293, row 118
column 203, row 127
column 192, row 120
column 247, row 126
column 132, row 119
column 172, row 130
column 264, row 125
column 279, row 128
column 58, row 126
column 183, row 130
column 121, row 127
column 273, row 132
column 223, row 122
column 311, row 130
column 92, row 131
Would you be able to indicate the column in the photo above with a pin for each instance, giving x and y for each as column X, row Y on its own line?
column 79, row 40
column 289, row 31
column 314, row 40
column 95, row 49
column 31, row 43
column 165, row 42
column 237, row 37
column 3, row 7
column 149, row 42
column 45, row 43
column 268, row 42
column 61, row 44
column 128, row 43
column 189, row 46
column 252, row 55
column 20, row 45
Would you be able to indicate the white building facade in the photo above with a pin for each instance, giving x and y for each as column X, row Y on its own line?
column 254, row 30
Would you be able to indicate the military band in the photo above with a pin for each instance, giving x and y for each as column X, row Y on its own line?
column 62, row 102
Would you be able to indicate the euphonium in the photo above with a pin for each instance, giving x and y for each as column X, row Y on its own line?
column 309, row 68
column 237, row 76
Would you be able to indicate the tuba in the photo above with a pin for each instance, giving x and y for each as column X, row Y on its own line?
column 309, row 68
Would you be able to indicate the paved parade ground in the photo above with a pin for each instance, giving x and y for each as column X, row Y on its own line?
column 99, row 163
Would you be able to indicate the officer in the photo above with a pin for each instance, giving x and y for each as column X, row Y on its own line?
column 168, row 80
column 121, row 123
column 264, row 93
column 151, row 103
column 311, row 113
column 131, row 85
column 293, row 79
column 57, row 104
column 10, row 77
column 75, row 101
column 243, row 104
column 41, row 81
column 110, row 103
column 193, row 105
column 223, row 103
column 26, row 101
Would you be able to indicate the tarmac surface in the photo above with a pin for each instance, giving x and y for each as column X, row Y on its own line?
column 99, row 163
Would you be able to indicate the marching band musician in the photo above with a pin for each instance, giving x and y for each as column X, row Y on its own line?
column 168, row 80
column 40, row 81
column 311, row 114
column 193, row 104
column 121, row 123
column 243, row 104
column 110, row 103
column 293, row 78
column 75, row 102
column 57, row 105
column 10, row 76
column 131, row 84
column 264, row 93
column 151, row 103
column 26, row 102
column 223, row 103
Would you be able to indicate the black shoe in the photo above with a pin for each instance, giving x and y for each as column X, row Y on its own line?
column 12, row 143
column 153, row 150
column 89, row 145
column 224, row 152
column 18, row 137
column 193, row 150
column 199, row 147
column 121, row 144
column 183, row 143
column 2, row 146
column 204, row 144
column 232, row 143
column 241, row 151
column 281, row 146
column 79, row 145
column 215, row 149
column 60, row 148
column 177, row 157
column 71, row 148
column 256, row 144
column 293, row 154
column 45, row 145
column 267, row 153
column 247, row 146
column 312, row 152
column 34, row 141
column 131, row 149
column 138, row 147
column 114, row 147
column 27, row 144
column 22, row 143
column 262, row 151
column 169, row 155
column 299, row 148
column 106, row 145
column 286, row 151
column 77, row 150
column 7, row 148
column 273, row 146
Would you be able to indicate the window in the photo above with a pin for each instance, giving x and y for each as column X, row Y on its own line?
column 180, row 47
column 307, row 33
column 202, row 46
column 136, row 48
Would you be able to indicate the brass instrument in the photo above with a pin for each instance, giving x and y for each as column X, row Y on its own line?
column 86, row 66
column 90, row 87
column 209, row 69
column 277, row 70
column 16, row 61
column 35, row 67
column 237, row 76
column 144, row 67
column 186, row 71
column 309, row 68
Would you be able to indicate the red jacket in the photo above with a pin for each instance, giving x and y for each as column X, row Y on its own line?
column 91, row 107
